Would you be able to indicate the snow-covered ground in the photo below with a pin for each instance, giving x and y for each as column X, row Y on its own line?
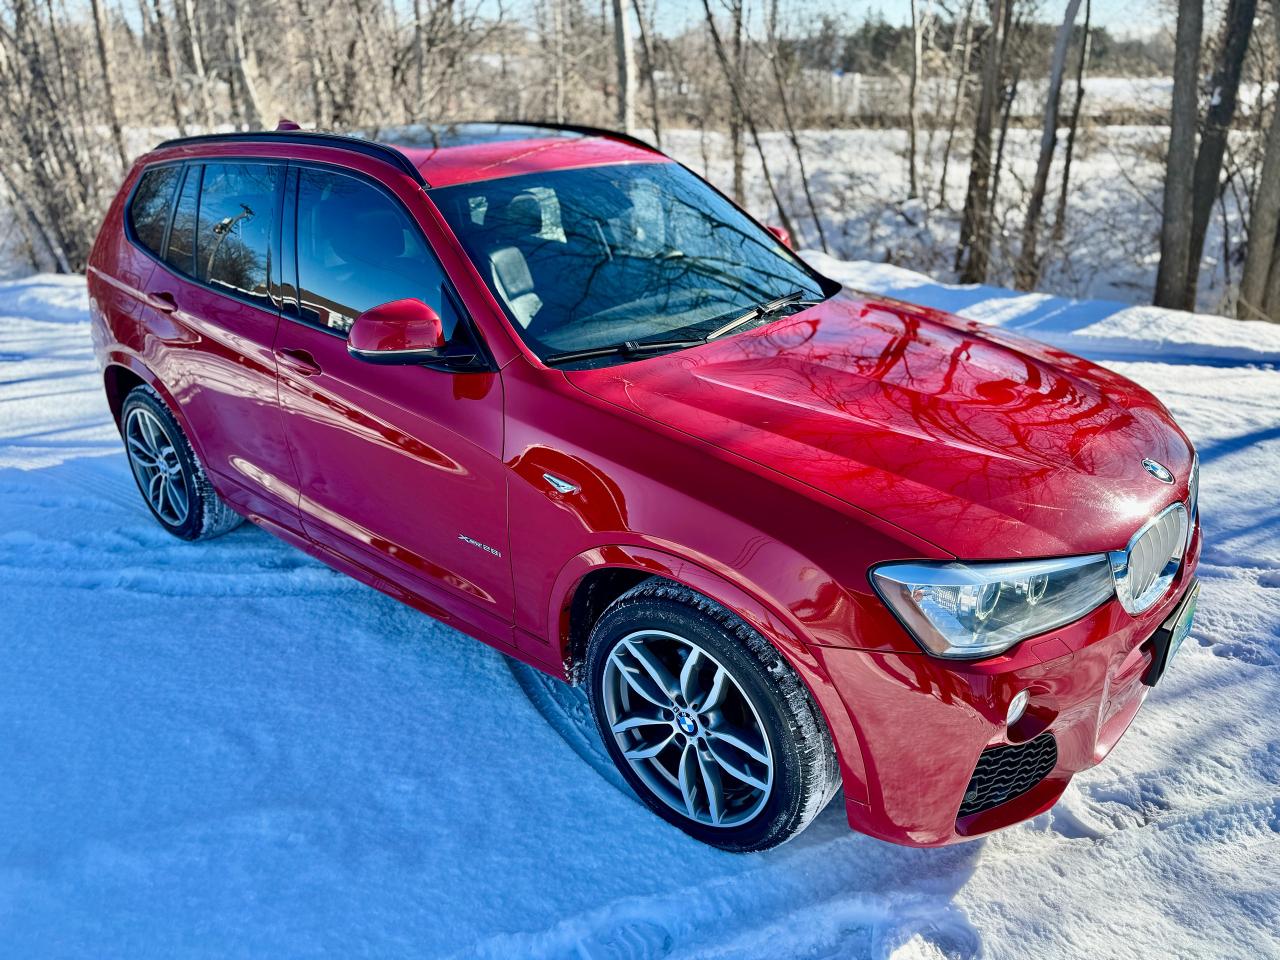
column 229, row 750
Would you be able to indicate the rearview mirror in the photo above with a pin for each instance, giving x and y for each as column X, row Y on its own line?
column 782, row 235
column 402, row 331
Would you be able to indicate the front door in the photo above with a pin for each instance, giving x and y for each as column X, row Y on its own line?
column 400, row 467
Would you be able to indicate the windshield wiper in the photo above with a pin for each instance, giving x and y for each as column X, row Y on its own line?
column 628, row 348
column 758, row 312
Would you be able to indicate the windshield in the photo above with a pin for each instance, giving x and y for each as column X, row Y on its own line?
column 595, row 257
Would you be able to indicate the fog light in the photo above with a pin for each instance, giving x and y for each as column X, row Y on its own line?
column 1017, row 706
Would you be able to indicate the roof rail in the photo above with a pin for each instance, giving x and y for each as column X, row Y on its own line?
column 584, row 130
column 369, row 148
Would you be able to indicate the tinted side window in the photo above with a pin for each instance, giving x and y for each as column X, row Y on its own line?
column 357, row 249
column 152, row 201
column 233, row 235
column 182, row 235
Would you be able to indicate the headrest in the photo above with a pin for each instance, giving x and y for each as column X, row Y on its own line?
column 521, row 216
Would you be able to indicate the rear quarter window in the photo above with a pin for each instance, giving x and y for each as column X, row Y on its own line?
column 151, row 204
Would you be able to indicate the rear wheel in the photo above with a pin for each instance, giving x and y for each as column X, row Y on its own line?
column 706, row 721
column 169, row 475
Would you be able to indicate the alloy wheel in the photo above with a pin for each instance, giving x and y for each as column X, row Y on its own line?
column 155, row 462
column 687, row 728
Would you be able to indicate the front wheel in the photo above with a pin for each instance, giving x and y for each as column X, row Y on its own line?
column 706, row 721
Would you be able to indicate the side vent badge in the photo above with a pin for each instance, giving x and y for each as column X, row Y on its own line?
column 560, row 485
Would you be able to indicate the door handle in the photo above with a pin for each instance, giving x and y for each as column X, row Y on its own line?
column 299, row 361
column 164, row 302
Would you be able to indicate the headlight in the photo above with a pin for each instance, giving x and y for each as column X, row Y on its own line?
column 969, row 610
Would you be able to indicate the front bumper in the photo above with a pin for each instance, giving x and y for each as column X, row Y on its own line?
column 918, row 724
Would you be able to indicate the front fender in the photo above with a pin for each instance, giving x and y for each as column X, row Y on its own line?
column 768, row 619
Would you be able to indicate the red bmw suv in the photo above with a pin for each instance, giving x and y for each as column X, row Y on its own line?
column 548, row 386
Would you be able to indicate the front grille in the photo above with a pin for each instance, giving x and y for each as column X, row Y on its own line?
column 1146, row 567
column 1007, row 772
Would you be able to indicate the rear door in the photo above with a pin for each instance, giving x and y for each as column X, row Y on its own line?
column 218, row 284
column 400, row 467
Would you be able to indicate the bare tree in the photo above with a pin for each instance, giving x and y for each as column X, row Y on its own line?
column 734, row 81
column 1224, row 89
column 1260, row 299
column 1064, row 191
column 774, row 55
column 962, row 79
column 1175, row 227
column 974, row 252
column 918, row 27
column 626, row 66
column 102, row 33
column 1028, row 268
column 651, row 83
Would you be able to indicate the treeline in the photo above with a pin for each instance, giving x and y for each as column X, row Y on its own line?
column 874, row 44
column 86, row 85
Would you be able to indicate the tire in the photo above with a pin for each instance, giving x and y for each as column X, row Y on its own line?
column 170, row 477
column 696, row 760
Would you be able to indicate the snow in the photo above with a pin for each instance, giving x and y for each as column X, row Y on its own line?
column 227, row 749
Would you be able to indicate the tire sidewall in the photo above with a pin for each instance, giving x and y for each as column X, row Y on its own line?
column 193, row 525
column 777, row 820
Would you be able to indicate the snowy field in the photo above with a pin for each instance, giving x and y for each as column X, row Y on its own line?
column 229, row 750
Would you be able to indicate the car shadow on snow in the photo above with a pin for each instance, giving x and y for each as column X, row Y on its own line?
column 194, row 728
column 873, row 899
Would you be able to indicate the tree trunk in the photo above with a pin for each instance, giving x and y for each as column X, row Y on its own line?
column 1010, row 94
column 1264, row 220
column 1027, row 272
column 962, row 78
column 195, row 52
column 626, row 64
column 973, row 255
column 1175, row 226
column 167, row 65
column 1060, row 215
column 1237, row 28
column 913, row 87
column 651, row 83
column 771, row 24
column 735, row 109
column 741, row 110
column 247, row 69
column 102, row 31
column 557, row 55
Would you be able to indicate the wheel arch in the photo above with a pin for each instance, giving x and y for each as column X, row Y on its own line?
column 123, row 372
column 594, row 579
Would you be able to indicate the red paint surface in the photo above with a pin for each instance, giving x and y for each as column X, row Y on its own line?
column 768, row 470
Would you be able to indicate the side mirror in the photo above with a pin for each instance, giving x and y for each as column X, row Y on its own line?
column 402, row 331
column 782, row 235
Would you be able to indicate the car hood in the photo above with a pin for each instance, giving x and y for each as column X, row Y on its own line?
column 985, row 444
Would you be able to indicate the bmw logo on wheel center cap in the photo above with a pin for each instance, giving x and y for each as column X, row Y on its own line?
column 686, row 724
column 1158, row 470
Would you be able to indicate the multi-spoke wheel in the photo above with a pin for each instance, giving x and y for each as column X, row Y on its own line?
column 686, row 728
column 156, row 466
column 169, row 475
column 705, row 719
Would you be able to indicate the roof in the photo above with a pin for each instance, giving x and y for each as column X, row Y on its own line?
column 443, row 155
column 466, row 152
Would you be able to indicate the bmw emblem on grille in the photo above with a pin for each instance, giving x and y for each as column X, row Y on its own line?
column 1157, row 470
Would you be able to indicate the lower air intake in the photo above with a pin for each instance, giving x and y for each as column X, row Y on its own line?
column 1007, row 772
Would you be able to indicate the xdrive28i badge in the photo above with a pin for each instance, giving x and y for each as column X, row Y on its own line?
column 1157, row 470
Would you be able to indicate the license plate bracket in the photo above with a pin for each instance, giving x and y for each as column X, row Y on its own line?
column 1164, row 643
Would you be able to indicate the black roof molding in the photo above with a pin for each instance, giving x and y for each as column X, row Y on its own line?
column 584, row 131
column 369, row 148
